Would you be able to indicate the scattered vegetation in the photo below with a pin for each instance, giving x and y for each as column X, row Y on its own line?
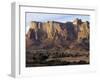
column 48, row 58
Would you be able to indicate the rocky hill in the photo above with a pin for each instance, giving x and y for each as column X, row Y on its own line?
column 54, row 34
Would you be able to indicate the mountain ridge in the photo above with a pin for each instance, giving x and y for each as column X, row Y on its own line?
column 52, row 34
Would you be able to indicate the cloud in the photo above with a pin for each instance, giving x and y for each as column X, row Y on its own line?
column 43, row 17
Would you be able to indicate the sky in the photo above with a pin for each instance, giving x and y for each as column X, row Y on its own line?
column 44, row 17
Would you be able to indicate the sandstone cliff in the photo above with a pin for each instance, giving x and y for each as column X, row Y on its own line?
column 53, row 34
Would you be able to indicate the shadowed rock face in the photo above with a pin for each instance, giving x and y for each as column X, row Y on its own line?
column 54, row 43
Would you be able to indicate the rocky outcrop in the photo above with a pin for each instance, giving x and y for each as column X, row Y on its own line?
column 53, row 34
column 84, row 31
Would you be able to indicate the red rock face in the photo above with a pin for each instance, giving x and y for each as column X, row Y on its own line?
column 57, row 34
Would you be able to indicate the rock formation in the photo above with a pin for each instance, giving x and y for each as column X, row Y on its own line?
column 53, row 34
column 56, row 43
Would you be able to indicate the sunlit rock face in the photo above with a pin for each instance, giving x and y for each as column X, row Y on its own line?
column 84, row 31
column 81, row 29
column 52, row 33
column 49, row 29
